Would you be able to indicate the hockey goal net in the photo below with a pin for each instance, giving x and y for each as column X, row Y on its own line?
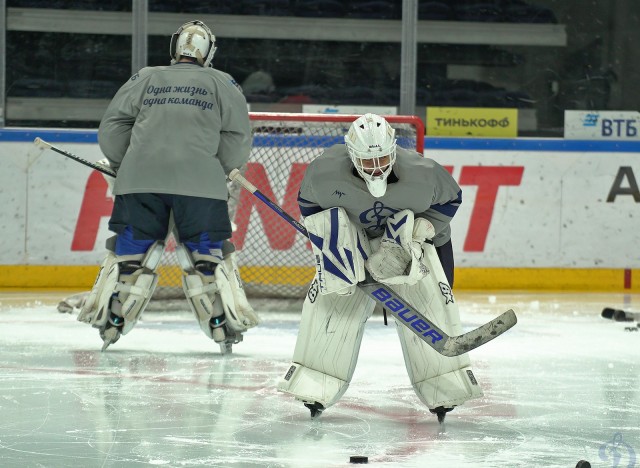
column 274, row 259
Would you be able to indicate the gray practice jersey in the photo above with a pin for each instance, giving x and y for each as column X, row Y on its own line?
column 176, row 129
column 416, row 183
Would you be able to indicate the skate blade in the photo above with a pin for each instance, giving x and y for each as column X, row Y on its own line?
column 110, row 336
column 226, row 347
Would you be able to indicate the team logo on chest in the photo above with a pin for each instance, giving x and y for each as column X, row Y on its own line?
column 378, row 215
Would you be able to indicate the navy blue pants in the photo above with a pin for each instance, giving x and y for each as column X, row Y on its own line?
column 141, row 218
column 445, row 254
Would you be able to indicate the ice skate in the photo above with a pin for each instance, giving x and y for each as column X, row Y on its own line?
column 231, row 338
column 440, row 412
column 112, row 330
column 315, row 408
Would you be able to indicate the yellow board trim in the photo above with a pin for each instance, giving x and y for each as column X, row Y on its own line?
column 551, row 279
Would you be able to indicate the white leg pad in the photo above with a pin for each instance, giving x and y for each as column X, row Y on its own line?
column 237, row 310
column 438, row 380
column 136, row 296
column 327, row 346
column 200, row 291
column 125, row 295
column 89, row 310
column 312, row 386
column 448, row 390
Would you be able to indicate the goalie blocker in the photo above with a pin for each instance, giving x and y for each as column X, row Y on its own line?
column 335, row 312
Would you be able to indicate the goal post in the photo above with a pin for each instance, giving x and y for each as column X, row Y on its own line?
column 274, row 260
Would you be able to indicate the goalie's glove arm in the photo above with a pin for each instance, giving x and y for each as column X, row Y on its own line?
column 307, row 207
column 440, row 214
column 441, row 227
column 307, row 197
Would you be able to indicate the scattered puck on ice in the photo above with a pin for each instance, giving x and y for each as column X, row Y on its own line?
column 607, row 313
column 621, row 316
column 583, row 464
column 359, row 459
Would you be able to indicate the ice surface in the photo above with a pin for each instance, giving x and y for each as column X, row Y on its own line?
column 562, row 386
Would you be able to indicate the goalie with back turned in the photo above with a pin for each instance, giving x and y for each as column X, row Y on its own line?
column 368, row 204
column 171, row 134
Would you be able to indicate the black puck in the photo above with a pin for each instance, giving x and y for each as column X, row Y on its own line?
column 621, row 316
column 583, row 464
column 608, row 312
column 359, row 459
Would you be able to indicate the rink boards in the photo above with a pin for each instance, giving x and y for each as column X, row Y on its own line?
column 536, row 213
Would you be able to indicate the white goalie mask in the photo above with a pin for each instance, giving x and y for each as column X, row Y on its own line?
column 193, row 39
column 371, row 145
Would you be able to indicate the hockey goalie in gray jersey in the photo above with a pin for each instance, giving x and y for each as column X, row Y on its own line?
column 370, row 204
column 170, row 135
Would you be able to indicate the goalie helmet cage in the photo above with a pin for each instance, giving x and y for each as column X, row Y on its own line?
column 274, row 260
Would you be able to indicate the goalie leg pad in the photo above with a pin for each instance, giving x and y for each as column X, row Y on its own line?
column 436, row 379
column 122, row 290
column 135, row 290
column 311, row 386
column 200, row 288
column 89, row 310
column 340, row 250
column 327, row 346
column 237, row 310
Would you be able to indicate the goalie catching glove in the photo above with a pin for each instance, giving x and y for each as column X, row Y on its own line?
column 398, row 260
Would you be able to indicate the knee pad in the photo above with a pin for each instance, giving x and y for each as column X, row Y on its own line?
column 122, row 290
column 327, row 346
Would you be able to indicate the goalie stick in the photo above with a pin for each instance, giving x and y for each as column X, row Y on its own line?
column 426, row 330
column 39, row 142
